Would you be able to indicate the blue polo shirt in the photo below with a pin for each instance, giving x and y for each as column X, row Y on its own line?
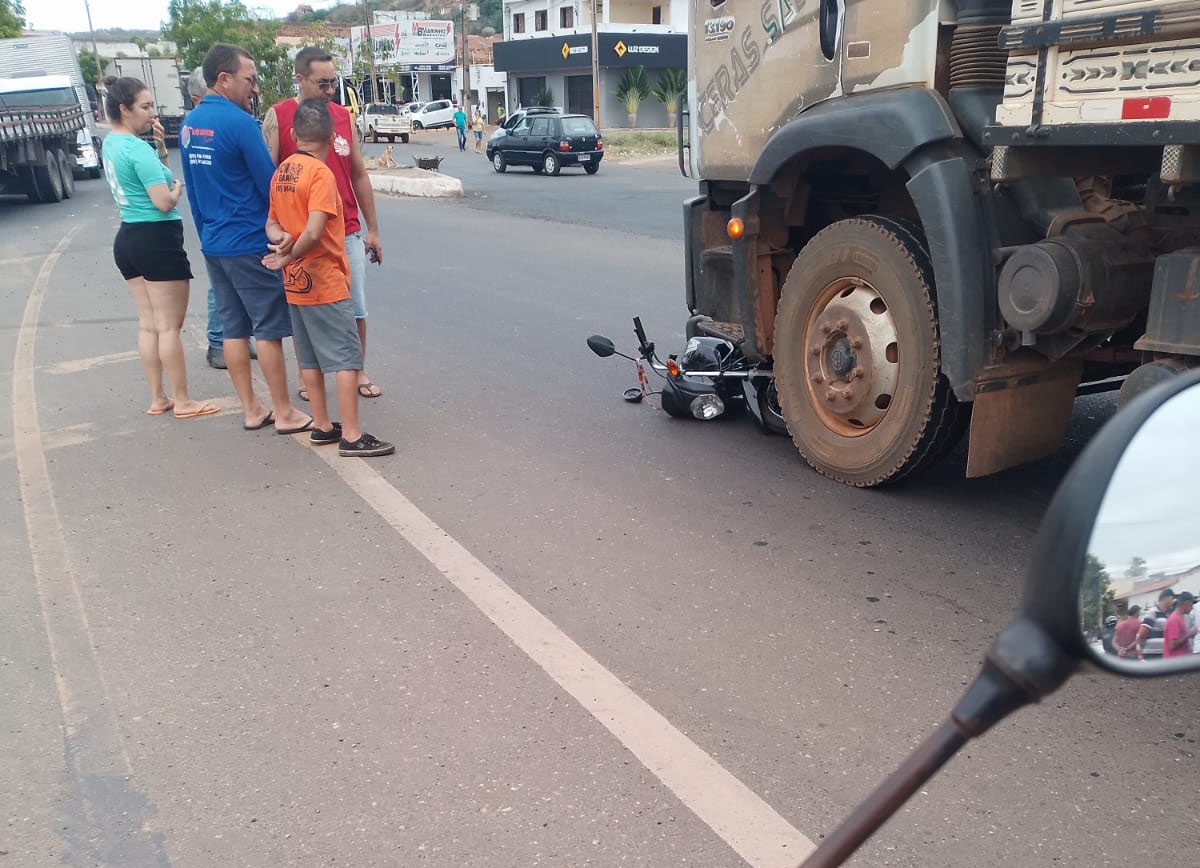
column 227, row 169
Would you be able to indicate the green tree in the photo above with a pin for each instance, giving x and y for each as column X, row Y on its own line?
column 633, row 87
column 140, row 42
column 153, row 51
column 12, row 19
column 196, row 25
column 1095, row 596
column 672, row 84
column 90, row 66
column 1137, row 567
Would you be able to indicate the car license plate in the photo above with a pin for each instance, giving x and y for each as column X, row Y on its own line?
column 583, row 158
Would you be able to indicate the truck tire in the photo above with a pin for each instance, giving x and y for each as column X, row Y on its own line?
column 857, row 354
column 49, row 180
column 404, row 138
column 66, row 173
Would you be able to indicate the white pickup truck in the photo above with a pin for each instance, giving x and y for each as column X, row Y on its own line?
column 380, row 120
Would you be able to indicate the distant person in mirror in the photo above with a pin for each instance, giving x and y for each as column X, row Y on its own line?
column 1125, row 636
column 1150, row 633
column 1178, row 634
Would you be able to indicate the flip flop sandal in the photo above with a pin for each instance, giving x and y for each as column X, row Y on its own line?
column 269, row 419
column 364, row 389
column 302, row 394
column 205, row 410
column 305, row 427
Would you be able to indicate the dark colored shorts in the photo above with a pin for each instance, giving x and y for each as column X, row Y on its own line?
column 326, row 337
column 152, row 251
column 250, row 298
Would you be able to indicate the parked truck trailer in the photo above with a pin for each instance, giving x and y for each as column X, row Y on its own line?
column 41, row 124
column 930, row 218
column 169, row 86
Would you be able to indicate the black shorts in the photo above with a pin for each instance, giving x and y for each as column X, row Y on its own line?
column 153, row 251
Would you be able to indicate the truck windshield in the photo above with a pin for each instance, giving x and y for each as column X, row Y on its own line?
column 63, row 96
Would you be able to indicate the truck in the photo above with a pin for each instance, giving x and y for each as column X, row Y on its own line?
column 382, row 120
column 40, row 80
column 926, row 219
column 166, row 83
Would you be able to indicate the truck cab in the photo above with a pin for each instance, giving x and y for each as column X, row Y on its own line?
column 952, row 219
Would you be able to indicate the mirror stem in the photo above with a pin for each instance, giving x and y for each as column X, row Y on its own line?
column 920, row 766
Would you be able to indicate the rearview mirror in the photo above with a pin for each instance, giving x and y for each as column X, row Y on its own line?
column 1142, row 571
column 601, row 346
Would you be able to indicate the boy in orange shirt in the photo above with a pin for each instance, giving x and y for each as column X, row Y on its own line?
column 308, row 242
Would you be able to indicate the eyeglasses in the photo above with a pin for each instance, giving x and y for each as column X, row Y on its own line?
column 253, row 79
column 324, row 83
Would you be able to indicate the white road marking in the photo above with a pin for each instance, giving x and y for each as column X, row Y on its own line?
column 96, row 747
column 736, row 813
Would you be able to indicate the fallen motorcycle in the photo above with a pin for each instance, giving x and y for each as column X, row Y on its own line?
column 710, row 379
column 1088, row 521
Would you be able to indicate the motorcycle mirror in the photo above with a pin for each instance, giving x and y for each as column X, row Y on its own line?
column 1143, row 559
column 1129, row 495
column 601, row 346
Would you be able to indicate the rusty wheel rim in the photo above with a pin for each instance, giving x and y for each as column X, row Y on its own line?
column 851, row 356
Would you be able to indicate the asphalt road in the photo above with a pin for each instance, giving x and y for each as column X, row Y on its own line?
column 223, row 648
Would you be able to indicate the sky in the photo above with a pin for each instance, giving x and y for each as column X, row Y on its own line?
column 1152, row 506
column 71, row 15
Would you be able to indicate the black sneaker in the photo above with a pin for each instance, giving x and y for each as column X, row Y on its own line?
column 324, row 438
column 365, row 446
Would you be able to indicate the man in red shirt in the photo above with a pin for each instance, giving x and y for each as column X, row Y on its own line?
column 1177, row 636
column 316, row 76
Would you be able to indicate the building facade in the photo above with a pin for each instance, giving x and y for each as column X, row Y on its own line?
column 547, row 52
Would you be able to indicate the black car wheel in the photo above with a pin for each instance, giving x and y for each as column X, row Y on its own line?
column 417, row 125
column 551, row 164
column 591, row 168
column 498, row 162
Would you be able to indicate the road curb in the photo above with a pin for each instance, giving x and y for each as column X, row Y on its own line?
column 417, row 183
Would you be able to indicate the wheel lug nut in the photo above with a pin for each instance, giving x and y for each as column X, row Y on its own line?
column 830, row 395
column 826, row 328
column 847, row 395
column 814, row 352
column 856, row 343
column 843, row 325
column 817, row 378
column 857, row 374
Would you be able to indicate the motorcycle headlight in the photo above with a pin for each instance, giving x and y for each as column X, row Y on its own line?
column 707, row 407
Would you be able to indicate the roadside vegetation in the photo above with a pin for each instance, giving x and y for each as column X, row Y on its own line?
column 639, row 143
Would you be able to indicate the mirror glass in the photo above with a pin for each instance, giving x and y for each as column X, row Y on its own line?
column 1142, row 575
column 601, row 345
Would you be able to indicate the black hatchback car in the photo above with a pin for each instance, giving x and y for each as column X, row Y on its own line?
column 547, row 143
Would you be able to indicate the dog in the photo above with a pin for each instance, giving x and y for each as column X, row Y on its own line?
column 383, row 161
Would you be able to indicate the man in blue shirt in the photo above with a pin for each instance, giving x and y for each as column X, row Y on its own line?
column 228, row 169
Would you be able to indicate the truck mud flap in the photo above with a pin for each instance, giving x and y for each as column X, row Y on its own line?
column 1021, row 412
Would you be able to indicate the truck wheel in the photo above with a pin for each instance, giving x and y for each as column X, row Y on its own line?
column 49, row 181
column 404, row 138
column 66, row 173
column 857, row 359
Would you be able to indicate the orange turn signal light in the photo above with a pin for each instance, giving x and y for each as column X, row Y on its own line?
column 673, row 368
column 735, row 228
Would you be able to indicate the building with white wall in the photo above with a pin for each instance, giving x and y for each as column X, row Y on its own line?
column 548, row 45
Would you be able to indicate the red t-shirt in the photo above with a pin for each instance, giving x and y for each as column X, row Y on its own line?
column 338, row 158
column 303, row 184
column 1126, row 633
column 1176, row 629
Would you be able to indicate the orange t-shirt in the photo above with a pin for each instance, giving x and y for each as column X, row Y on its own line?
column 303, row 184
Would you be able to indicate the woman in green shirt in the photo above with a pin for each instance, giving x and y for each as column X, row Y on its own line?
column 148, row 249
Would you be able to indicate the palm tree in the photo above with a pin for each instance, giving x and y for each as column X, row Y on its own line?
column 633, row 87
column 672, row 84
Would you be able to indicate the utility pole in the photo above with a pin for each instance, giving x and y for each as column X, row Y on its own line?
column 370, row 42
column 99, row 66
column 466, row 89
column 595, row 69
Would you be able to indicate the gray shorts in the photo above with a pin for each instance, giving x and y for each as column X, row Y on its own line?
column 356, row 255
column 326, row 337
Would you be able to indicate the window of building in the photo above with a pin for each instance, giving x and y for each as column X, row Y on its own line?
column 539, row 20
column 566, row 17
column 656, row 15
column 519, row 22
